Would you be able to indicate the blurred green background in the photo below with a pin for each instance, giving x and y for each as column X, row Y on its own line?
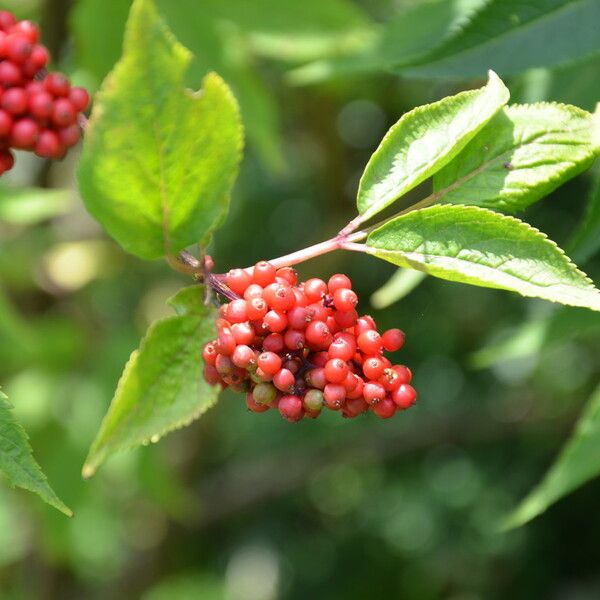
column 248, row 507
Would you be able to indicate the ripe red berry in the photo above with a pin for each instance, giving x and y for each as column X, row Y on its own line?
column 337, row 282
column 275, row 320
column 370, row 342
column 63, row 113
column 334, row 395
column 290, row 408
column 27, row 29
column 14, row 100
column 269, row 362
column 336, row 370
column 318, row 335
column 344, row 299
column 57, row 84
column 225, row 342
column 289, row 274
column 24, row 134
column 211, row 375
column 7, row 20
column 237, row 280
column 264, row 273
column 40, row 57
column 316, row 378
column 10, row 74
column 41, row 104
column 404, row 373
column 384, row 409
column 6, row 123
column 294, row 340
column 7, row 161
column 284, row 380
column 393, row 340
column 279, row 296
column 298, row 317
column 236, row 311
column 256, row 308
column 373, row 367
column 17, row 48
column 314, row 289
column 373, row 392
column 405, row 396
column 80, row 99
column 243, row 356
column 48, row 145
column 209, row 353
column 69, row 135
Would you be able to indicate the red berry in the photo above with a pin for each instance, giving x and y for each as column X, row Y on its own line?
column 384, row 409
column 243, row 356
column 275, row 320
column 316, row 378
column 269, row 362
column 345, row 299
column 373, row 392
column 224, row 365
column 209, row 353
column 7, row 20
column 390, row 380
column 211, row 375
column 336, row 370
column 41, row 104
column 355, row 407
column 14, row 101
column 393, row 339
column 256, row 308
column 27, row 29
column 40, row 57
column 6, row 123
column 337, row 282
column 237, row 280
column 284, row 380
column 363, row 324
column 404, row 373
column 369, row 342
column 314, row 289
column 279, row 296
column 294, row 340
column 289, row 274
column 7, row 161
column 253, row 291
column 69, row 135
column 346, row 319
column 264, row 273
column 80, row 99
column 405, row 396
column 225, row 342
column 57, row 84
column 298, row 317
column 318, row 335
column 334, row 395
column 10, row 74
column 24, row 134
column 373, row 367
column 18, row 48
column 290, row 408
column 274, row 342
column 48, row 145
column 341, row 348
column 236, row 311
column 63, row 113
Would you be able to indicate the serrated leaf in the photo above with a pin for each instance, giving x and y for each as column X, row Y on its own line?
column 17, row 462
column 586, row 239
column 524, row 153
column 159, row 160
column 399, row 285
column 474, row 245
column 162, row 387
column 578, row 463
column 29, row 206
column 423, row 141
column 510, row 36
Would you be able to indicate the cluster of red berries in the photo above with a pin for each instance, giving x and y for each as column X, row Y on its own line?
column 39, row 111
column 300, row 347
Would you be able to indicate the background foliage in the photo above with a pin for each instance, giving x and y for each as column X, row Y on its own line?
column 248, row 507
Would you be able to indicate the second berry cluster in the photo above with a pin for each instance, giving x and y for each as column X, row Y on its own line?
column 39, row 111
column 301, row 347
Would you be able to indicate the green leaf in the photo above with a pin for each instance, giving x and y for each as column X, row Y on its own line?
column 399, row 285
column 17, row 462
column 159, row 160
column 586, row 240
column 578, row 462
column 423, row 141
column 524, row 153
column 162, row 387
column 29, row 206
column 510, row 36
column 484, row 248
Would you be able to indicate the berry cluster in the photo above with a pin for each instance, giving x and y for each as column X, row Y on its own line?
column 39, row 111
column 302, row 347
